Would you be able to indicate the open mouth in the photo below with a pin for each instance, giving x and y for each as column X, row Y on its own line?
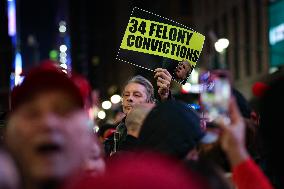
column 49, row 148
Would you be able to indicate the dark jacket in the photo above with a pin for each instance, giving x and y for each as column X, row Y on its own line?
column 130, row 143
column 113, row 144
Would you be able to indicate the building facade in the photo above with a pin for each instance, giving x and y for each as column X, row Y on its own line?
column 244, row 23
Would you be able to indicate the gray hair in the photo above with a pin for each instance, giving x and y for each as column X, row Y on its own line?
column 146, row 83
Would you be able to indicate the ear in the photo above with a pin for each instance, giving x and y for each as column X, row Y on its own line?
column 192, row 155
column 254, row 117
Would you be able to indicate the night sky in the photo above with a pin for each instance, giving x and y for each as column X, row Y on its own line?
column 36, row 18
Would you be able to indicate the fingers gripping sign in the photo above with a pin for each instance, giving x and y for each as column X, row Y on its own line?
column 163, row 78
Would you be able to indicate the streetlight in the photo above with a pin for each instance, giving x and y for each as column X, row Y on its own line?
column 106, row 105
column 63, row 48
column 220, row 46
column 115, row 99
column 101, row 114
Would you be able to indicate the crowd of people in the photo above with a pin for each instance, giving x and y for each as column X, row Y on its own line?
column 50, row 142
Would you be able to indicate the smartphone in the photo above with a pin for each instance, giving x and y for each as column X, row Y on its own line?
column 215, row 94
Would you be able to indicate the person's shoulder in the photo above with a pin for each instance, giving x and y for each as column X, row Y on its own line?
column 130, row 143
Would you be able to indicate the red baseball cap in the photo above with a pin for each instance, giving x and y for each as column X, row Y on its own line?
column 41, row 79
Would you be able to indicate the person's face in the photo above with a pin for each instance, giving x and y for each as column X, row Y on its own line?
column 182, row 70
column 49, row 137
column 95, row 164
column 9, row 178
column 133, row 93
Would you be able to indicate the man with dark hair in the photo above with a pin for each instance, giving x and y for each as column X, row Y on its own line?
column 172, row 128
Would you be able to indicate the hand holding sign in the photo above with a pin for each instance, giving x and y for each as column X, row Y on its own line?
column 151, row 40
column 164, row 79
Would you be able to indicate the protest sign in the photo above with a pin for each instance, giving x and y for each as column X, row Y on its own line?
column 151, row 41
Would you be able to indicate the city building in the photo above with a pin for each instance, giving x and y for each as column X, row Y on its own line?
column 245, row 24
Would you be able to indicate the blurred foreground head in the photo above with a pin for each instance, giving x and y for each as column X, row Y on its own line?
column 136, row 117
column 9, row 178
column 171, row 128
column 146, row 170
column 95, row 163
column 48, row 132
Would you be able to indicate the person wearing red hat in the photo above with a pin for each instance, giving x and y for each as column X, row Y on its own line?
column 85, row 88
column 9, row 178
column 47, row 130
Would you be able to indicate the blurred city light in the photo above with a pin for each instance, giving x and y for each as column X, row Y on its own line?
column 12, row 18
column 96, row 129
column 63, row 60
column 32, row 41
column 64, row 66
column 62, row 29
column 272, row 70
column 186, row 87
column 106, row 105
column 221, row 45
column 63, row 48
column 115, row 99
column 196, row 88
column 101, row 114
column 276, row 34
column 18, row 64
column 63, row 54
column 191, row 88
column 18, row 69
column 62, row 23
column 194, row 106
column 194, row 76
column 53, row 55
